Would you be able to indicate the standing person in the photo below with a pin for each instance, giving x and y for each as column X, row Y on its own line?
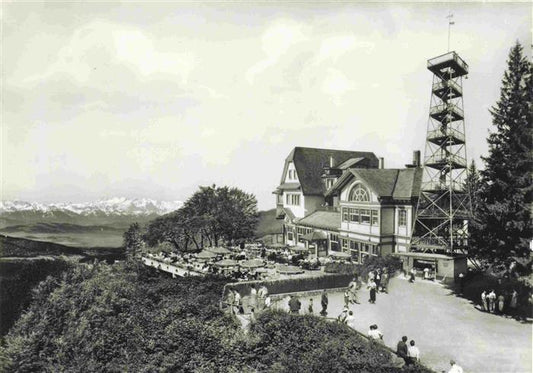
column 501, row 302
column 347, row 298
column 268, row 302
column 461, row 282
column 238, row 303
column 230, row 300
column 374, row 334
column 484, row 301
column 295, row 305
column 384, row 280
column 310, row 307
column 426, row 273
column 455, row 368
column 253, row 296
column 492, row 301
column 401, row 349
column 413, row 353
column 352, row 288
column 350, row 320
column 324, row 303
column 377, row 279
column 372, row 286
column 343, row 315
column 513, row 304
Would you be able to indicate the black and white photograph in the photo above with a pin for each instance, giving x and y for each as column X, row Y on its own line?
column 266, row 186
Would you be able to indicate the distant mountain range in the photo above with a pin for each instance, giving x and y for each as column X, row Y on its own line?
column 106, row 211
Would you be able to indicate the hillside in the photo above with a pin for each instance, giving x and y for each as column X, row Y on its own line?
column 24, row 248
column 268, row 224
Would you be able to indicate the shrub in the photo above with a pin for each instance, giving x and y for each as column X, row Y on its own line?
column 392, row 263
column 343, row 268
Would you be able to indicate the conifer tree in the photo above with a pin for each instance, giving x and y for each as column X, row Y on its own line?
column 506, row 193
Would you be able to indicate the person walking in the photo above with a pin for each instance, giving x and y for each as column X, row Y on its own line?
column 412, row 273
column 294, row 305
column 413, row 353
column 401, row 349
column 352, row 288
column 484, row 301
column 455, row 368
column 372, row 286
column 324, row 303
column 492, row 301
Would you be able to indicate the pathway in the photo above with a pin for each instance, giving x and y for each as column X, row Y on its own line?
column 444, row 327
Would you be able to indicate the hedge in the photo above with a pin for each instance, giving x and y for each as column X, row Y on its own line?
column 290, row 285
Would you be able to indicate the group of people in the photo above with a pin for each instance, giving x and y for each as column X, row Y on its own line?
column 408, row 352
column 492, row 302
column 259, row 300
column 378, row 281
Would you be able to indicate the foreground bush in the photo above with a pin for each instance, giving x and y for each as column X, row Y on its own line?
column 127, row 318
column 280, row 342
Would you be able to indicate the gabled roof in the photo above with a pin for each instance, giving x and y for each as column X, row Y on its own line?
column 330, row 220
column 309, row 163
column 349, row 163
column 399, row 184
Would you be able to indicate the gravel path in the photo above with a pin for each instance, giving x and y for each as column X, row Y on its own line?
column 444, row 327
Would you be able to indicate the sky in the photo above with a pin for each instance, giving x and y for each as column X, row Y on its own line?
column 152, row 100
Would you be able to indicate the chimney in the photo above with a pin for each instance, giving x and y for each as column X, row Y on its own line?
column 416, row 158
column 331, row 161
column 381, row 162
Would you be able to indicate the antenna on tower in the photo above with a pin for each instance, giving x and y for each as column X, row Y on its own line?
column 450, row 23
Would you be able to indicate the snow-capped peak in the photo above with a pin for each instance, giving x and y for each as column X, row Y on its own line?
column 111, row 206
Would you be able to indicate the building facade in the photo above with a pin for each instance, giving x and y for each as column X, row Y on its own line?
column 332, row 200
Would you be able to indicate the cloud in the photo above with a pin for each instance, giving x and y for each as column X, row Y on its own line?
column 100, row 45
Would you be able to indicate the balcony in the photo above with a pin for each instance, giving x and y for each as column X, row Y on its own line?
column 446, row 135
column 446, row 113
column 437, row 186
column 447, row 90
column 438, row 161
column 448, row 66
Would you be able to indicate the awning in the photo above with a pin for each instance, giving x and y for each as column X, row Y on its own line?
column 339, row 254
column 227, row 263
column 218, row 250
column 206, row 255
column 315, row 236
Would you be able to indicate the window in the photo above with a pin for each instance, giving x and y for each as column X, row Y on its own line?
column 334, row 242
column 292, row 199
column 359, row 194
column 329, row 183
column 344, row 244
column 290, row 236
column 402, row 218
column 280, row 199
column 375, row 217
column 365, row 216
column 354, row 215
column 292, row 175
column 345, row 214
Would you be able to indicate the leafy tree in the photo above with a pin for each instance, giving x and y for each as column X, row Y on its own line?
column 211, row 215
column 504, row 215
column 133, row 241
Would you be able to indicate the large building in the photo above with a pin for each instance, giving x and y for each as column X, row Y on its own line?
column 336, row 200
